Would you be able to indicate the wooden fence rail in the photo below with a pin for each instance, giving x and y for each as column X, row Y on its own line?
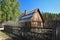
column 29, row 35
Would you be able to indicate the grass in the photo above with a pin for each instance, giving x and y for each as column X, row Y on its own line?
column 3, row 35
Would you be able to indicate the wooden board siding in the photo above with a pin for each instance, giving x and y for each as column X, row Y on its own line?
column 26, row 26
column 37, row 20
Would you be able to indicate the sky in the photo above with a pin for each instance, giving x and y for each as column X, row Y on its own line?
column 52, row 6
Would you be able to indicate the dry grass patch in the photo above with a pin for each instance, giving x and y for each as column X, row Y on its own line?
column 3, row 35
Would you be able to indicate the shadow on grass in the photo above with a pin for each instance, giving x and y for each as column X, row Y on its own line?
column 12, row 37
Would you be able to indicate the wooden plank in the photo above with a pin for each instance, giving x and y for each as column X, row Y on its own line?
column 1, row 28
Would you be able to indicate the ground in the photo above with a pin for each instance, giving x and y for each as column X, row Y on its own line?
column 4, row 36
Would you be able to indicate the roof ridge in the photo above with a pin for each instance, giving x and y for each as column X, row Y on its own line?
column 33, row 10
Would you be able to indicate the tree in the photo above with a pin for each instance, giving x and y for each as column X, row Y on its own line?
column 51, row 16
column 0, row 11
column 10, row 9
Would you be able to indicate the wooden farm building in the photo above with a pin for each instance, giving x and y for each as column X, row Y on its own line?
column 32, row 21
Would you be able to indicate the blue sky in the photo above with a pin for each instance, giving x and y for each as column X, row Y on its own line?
column 52, row 6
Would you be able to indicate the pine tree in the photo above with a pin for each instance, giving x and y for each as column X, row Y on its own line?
column 10, row 9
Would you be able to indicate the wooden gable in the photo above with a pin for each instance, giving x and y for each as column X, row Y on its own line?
column 37, row 17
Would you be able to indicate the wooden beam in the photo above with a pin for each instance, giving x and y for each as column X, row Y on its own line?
column 1, row 28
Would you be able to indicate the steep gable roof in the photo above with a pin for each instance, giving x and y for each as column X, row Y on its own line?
column 27, row 17
column 41, row 15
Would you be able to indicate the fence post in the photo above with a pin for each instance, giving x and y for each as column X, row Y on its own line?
column 54, row 31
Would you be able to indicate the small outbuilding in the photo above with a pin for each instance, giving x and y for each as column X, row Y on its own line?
column 32, row 21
